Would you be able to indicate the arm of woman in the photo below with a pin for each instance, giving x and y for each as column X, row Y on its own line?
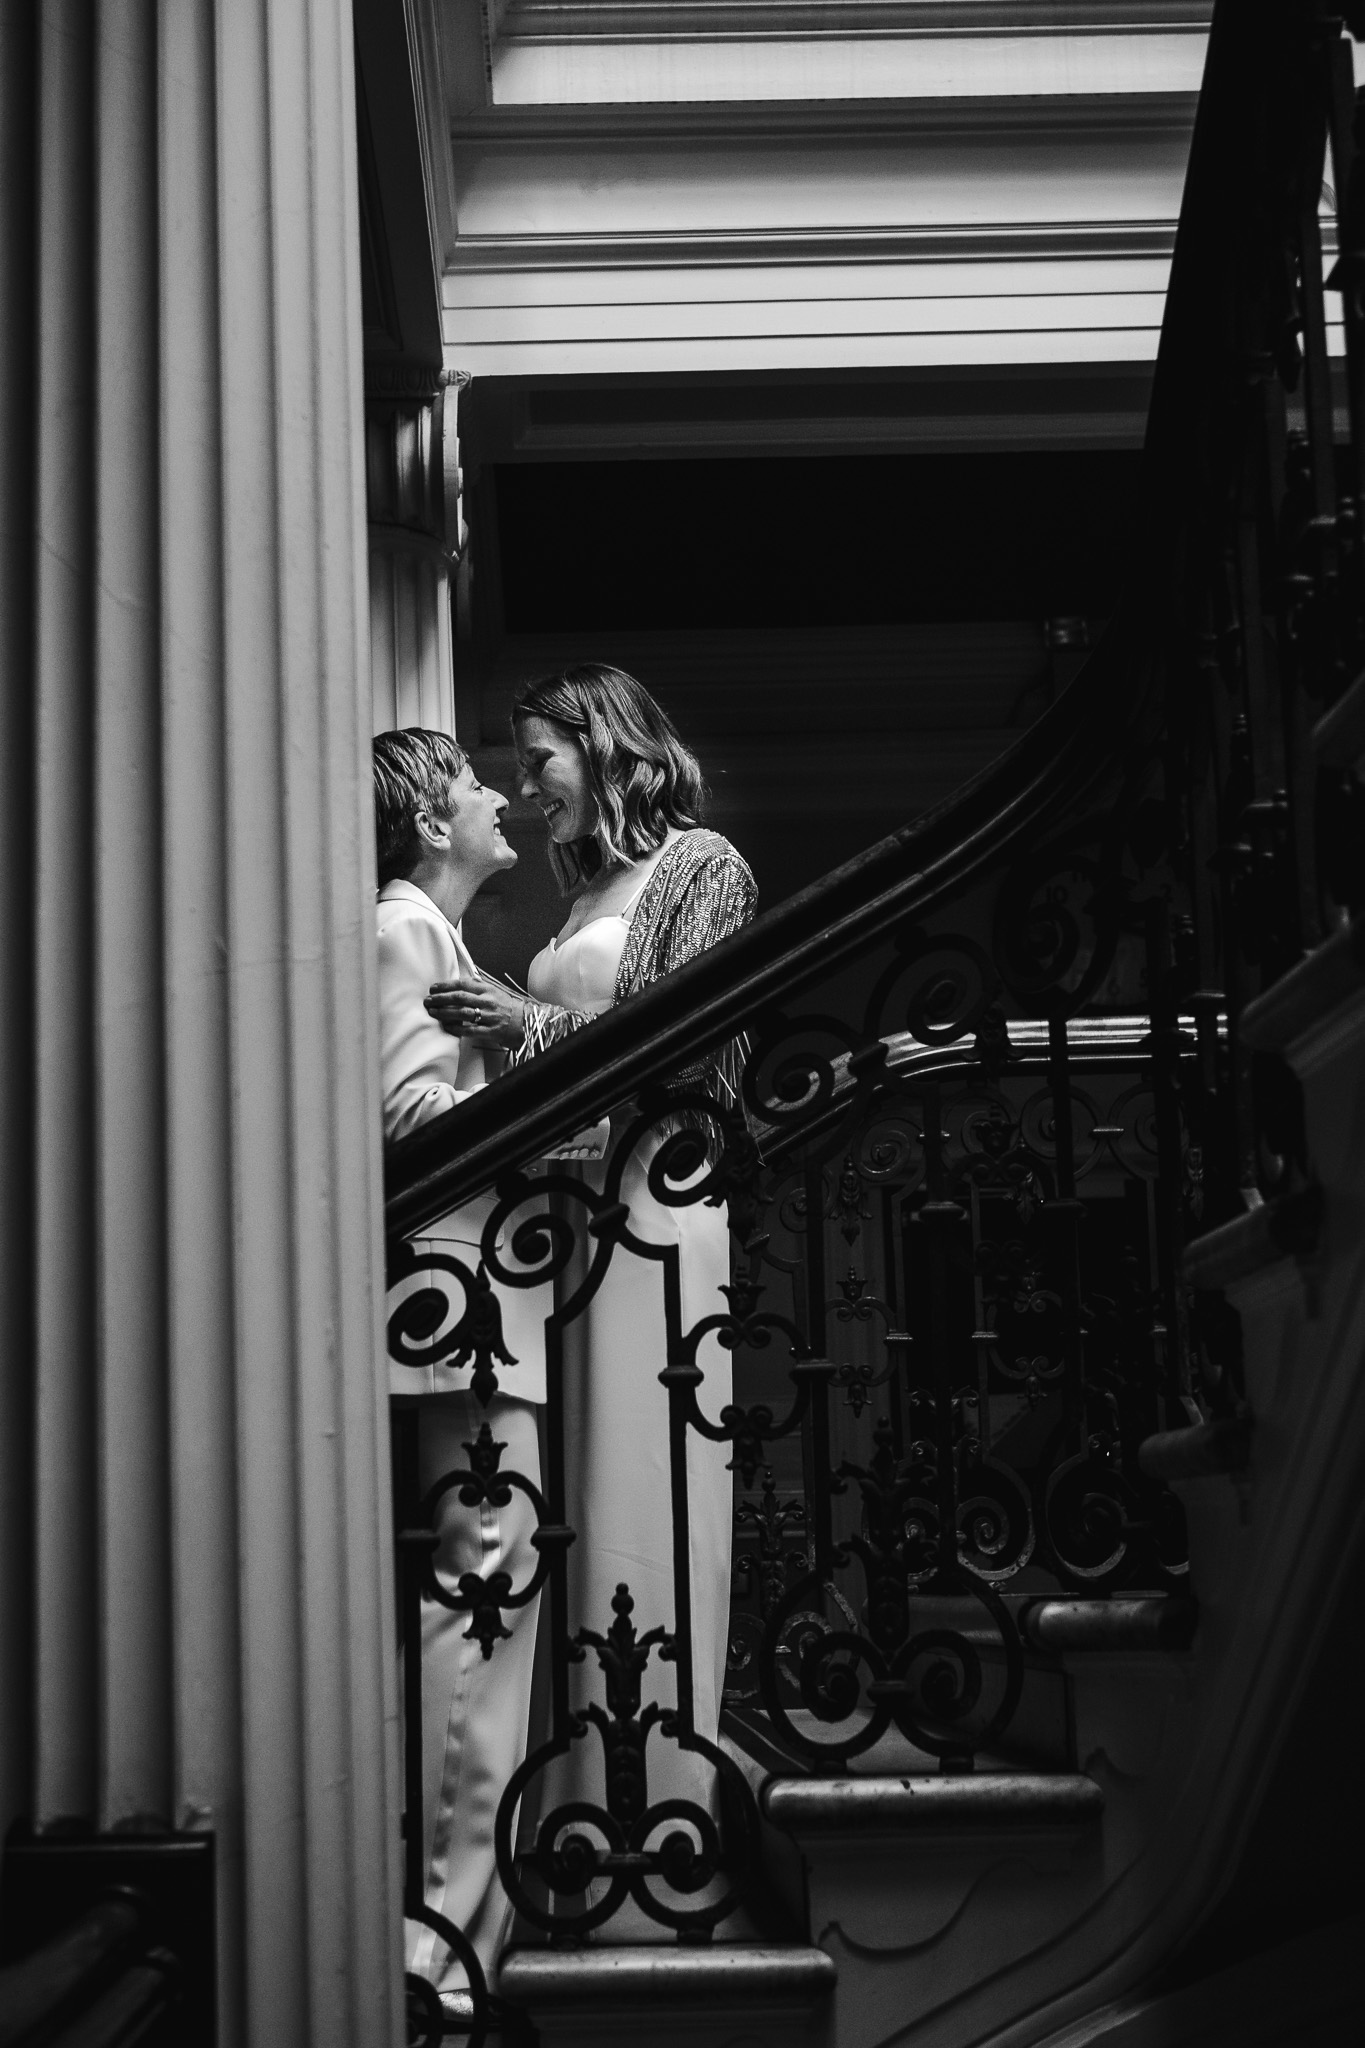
column 489, row 1013
column 720, row 899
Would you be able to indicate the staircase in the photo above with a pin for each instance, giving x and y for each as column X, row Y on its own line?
column 1048, row 1506
column 1033, row 1893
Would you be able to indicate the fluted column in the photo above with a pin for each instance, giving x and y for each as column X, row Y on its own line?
column 415, row 538
column 18, row 40
column 195, row 1622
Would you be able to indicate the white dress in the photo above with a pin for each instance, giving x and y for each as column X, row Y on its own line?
column 616, row 1430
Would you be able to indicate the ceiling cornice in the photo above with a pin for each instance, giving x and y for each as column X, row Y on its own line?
column 671, row 21
column 863, row 120
column 1011, row 241
column 402, row 248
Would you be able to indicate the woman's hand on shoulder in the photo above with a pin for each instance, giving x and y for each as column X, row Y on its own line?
column 482, row 1011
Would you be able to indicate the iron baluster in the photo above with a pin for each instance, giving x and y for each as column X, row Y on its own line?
column 1065, row 1212
column 416, row 1542
column 1168, row 1188
column 1348, row 277
column 816, row 1372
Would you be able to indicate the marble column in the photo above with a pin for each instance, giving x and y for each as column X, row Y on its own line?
column 416, row 537
column 195, row 1579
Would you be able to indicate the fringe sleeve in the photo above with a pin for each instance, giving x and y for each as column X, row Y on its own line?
column 546, row 1024
column 718, row 900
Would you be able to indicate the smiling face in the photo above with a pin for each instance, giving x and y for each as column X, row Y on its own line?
column 477, row 847
column 554, row 777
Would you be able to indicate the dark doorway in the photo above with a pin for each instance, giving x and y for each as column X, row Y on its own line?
column 864, row 540
column 843, row 639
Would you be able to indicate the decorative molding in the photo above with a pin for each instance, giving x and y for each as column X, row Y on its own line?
column 404, row 465
column 401, row 155
column 684, row 249
column 432, row 95
column 659, row 21
column 410, row 541
column 734, row 122
column 416, row 536
column 411, row 669
column 1078, row 406
column 419, row 382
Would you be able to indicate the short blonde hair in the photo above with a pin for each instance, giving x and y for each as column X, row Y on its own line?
column 413, row 771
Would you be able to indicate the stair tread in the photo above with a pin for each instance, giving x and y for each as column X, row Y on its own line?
column 991, row 1798
column 1133, row 1621
column 668, row 1969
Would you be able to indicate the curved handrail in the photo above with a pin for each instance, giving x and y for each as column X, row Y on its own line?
column 1069, row 755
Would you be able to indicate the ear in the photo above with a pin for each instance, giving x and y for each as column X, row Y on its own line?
column 433, row 832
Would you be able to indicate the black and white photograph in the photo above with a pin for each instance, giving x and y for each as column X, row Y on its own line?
column 682, row 1023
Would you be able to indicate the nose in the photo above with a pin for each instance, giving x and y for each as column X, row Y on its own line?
column 499, row 801
column 526, row 787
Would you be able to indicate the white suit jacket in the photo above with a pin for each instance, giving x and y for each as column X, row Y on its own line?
column 424, row 1072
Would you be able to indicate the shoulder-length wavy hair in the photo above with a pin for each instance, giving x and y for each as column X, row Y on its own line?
column 643, row 777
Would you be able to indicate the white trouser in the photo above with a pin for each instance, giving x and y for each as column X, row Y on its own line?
column 475, row 1710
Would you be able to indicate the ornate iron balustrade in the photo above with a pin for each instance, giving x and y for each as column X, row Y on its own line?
column 943, row 1096
column 971, row 1246
column 953, row 1375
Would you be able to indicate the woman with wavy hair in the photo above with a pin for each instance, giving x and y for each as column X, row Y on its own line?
column 650, row 888
column 623, row 800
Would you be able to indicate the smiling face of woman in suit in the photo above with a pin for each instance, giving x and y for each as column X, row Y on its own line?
column 474, row 823
column 554, row 776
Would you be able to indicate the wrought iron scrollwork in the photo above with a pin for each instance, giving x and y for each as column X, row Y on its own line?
column 944, row 1313
column 628, row 1844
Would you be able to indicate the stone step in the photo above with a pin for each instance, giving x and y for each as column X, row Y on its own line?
column 919, row 1883
column 673, row 1995
column 960, row 1803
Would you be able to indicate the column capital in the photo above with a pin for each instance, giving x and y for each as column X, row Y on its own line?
column 416, row 382
column 412, row 477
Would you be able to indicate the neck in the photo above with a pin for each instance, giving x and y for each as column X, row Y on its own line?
column 451, row 890
column 609, row 872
